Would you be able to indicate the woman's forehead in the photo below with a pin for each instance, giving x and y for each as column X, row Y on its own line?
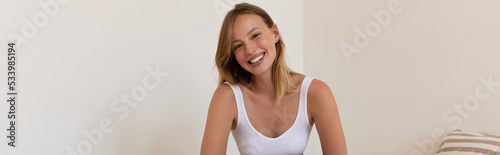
column 245, row 23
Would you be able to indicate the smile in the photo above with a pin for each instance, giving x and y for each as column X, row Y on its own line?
column 256, row 59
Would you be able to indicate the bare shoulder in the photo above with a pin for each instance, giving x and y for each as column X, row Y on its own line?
column 223, row 103
column 224, row 92
column 224, row 97
column 319, row 91
column 320, row 100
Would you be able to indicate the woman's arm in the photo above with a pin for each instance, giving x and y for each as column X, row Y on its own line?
column 325, row 115
column 221, row 114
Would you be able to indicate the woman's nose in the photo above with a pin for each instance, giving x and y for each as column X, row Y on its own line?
column 251, row 48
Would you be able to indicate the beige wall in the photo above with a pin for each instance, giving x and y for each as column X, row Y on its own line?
column 420, row 72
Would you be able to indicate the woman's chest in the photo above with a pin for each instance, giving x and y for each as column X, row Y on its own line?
column 267, row 118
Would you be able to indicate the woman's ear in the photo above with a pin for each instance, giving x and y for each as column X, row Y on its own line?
column 276, row 33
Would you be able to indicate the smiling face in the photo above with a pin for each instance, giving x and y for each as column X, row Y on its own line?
column 253, row 43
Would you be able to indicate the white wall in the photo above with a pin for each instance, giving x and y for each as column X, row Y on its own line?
column 404, row 84
column 74, row 67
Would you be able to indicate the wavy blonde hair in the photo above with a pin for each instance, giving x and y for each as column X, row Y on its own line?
column 231, row 71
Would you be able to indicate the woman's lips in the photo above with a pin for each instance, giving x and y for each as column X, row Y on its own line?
column 257, row 60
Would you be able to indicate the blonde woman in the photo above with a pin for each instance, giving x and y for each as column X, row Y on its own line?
column 268, row 108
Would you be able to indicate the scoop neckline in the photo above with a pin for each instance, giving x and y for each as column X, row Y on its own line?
column 287, row 130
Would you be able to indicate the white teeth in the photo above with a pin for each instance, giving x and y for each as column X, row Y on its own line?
column 257, row 59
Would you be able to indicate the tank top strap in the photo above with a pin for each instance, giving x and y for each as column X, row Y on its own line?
column 306, row 82
column 239, row 103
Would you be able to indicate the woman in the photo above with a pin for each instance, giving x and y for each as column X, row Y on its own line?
column 268, row 108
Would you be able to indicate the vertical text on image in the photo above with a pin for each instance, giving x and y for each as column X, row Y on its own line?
column 11, row 94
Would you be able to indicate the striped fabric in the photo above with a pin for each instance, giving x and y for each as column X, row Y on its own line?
column 461, row 142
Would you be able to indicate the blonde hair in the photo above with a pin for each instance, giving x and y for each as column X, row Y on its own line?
column 231, row 71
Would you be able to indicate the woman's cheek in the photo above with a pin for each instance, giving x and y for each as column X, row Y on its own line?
column 238, row 56
column 263, row 41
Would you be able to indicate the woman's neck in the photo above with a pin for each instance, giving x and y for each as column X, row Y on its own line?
column 263, row 84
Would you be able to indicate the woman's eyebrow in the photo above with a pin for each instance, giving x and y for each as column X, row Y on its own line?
column 251, row 31
column 248, row 33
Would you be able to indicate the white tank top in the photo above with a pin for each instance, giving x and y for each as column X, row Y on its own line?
column 292, row 142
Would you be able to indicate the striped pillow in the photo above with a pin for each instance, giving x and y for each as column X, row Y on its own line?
column 461, row 142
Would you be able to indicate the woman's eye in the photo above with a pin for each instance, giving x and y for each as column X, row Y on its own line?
column 237, row 46
column 256, row 35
